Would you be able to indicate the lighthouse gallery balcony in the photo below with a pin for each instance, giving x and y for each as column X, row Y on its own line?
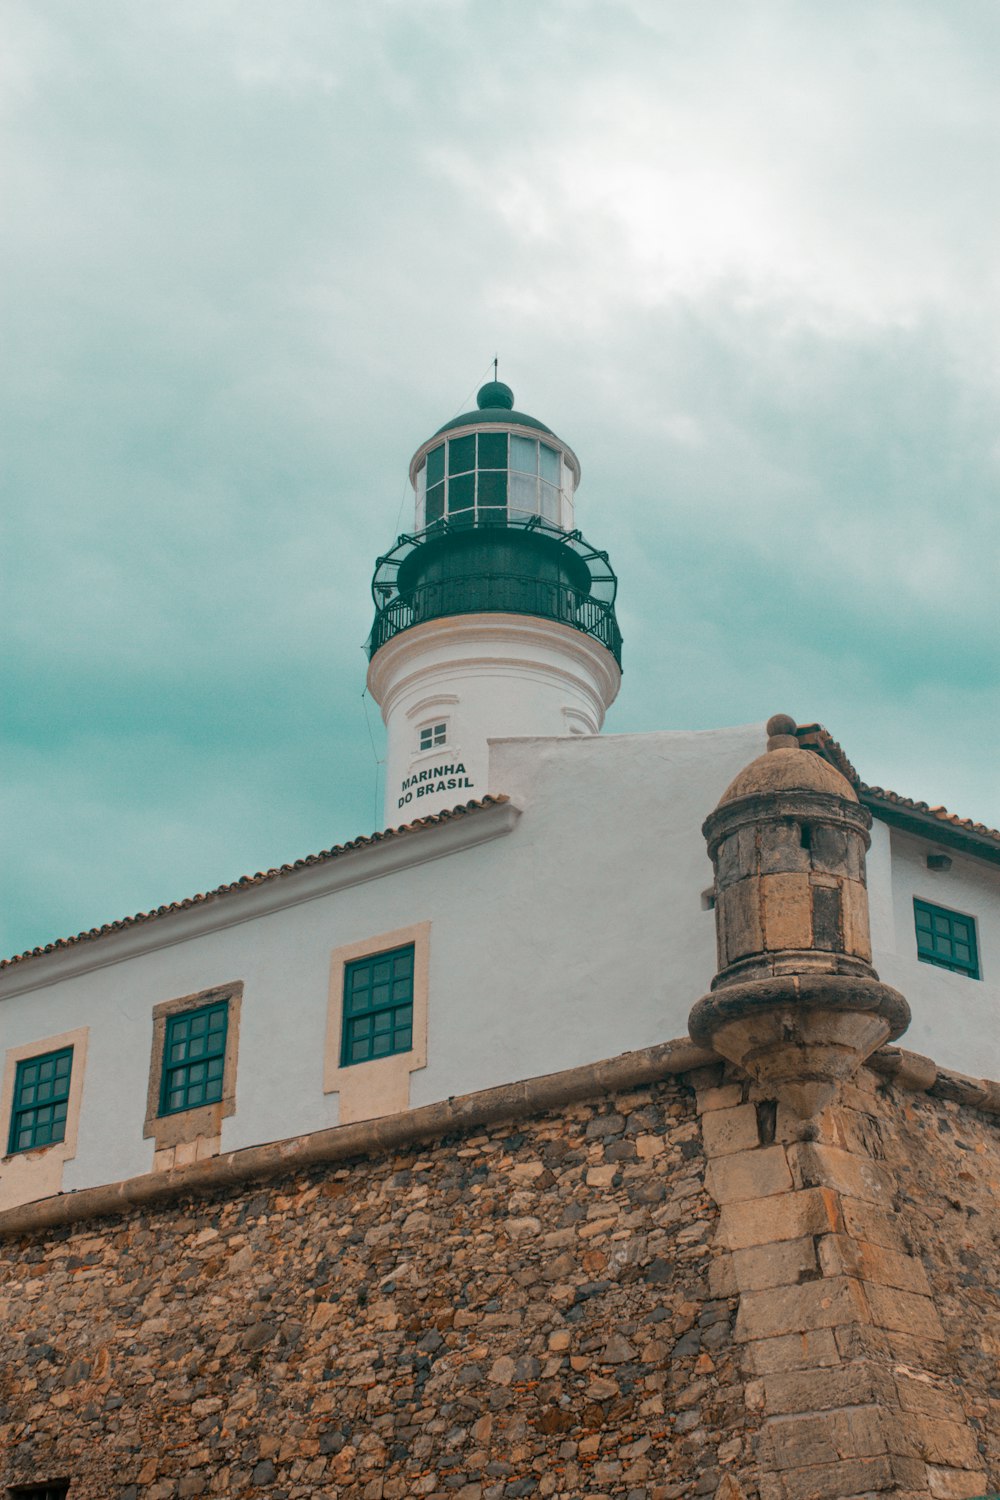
column 526, row 567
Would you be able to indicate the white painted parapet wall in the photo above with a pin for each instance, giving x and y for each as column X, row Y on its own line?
column 569, row 924
column 466, row 679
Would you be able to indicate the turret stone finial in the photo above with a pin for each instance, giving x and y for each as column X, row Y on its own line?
column 796, row 1002
column 781, row 733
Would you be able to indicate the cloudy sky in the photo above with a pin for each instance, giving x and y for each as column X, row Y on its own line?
column 743, row 258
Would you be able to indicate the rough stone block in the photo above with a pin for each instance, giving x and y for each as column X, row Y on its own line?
column 955, row 1484
column 829, row 848
column 827, row 1389
column 728, row 1130
column 807, row 1212
column 951, row 1444
column 857, row 937
column 863, row 1221
column 727, row 862
column 824, row 1437
column 783, row 1264
column 816, row 1165
column 798, row 1309
column 915, row 1352
column 827, row 919
column 920, row 1395
column 781, row 850
column 724, row 1096
column 816, row 1349
column 749, row 1174
column 785, row 905
column 841, row 1256
column 849, row 1477
column 737, row 917
column 722, row 1277
column 903, row 1312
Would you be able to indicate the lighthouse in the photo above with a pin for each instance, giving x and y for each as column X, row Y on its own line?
column 494, row 617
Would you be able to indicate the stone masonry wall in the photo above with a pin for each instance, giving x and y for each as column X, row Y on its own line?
column 863, row 1246
column 521, row 1311
column 555, row 1306
column 946, row 1161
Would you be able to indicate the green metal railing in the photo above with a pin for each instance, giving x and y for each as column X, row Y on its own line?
column 506, row 593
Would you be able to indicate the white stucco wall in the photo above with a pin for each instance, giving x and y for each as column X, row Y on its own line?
column 956, row 1020
column 571, row 933
column 480, row 676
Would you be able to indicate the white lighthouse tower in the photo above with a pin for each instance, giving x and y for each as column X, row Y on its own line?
column 493, row 617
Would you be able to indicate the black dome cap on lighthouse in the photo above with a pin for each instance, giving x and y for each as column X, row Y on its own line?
column 494, row 403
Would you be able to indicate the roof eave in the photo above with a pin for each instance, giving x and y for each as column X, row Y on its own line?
column 415, row 843
column 927, row 825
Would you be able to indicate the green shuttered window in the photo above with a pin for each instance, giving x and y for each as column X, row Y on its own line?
column 41, row 1099
column 194, row 1057
column 378, row 1006
column 946, row 938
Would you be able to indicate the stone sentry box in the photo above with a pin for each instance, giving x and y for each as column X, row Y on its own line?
column 790, row 880
column 796, row 1002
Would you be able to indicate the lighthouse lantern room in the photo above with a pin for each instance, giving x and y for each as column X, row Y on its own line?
column 494, row 617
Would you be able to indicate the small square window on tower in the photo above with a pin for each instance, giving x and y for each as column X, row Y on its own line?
column 946, row 938
column 433, row 735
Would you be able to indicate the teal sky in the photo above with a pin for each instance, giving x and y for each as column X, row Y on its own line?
column 744, row 259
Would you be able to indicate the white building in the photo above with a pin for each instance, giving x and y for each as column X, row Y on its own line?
column 546, row 901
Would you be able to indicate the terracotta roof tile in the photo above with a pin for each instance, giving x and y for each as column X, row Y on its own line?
column 815, row 737
column 262, row 877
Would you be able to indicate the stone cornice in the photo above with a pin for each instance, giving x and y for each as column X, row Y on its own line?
column 900, row 1068
column 367, row 1138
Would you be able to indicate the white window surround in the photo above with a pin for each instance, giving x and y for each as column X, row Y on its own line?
column 38, row 1173
column 427, row 708
column 432, row 729
column 380, row 1086
column 425, row 757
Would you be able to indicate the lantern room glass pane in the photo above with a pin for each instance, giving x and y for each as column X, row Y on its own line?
column 462, row 455
column 549, row 463
column 492, row 491
column 524, row 494
column 523, row 454
column 461, row 493
column 435, row 465
column 550, row 502
column 435, row 504
column 493, row 450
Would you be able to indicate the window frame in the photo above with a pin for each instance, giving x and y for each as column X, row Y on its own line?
column 553, row 499
column 56, row 1489
column 391, row 1007
column 18, row 1110
column 38, row 1173
column 168, row 1086
column 183, row 1134
column 970, row 970
column 380, row 1086
column 432, row 728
